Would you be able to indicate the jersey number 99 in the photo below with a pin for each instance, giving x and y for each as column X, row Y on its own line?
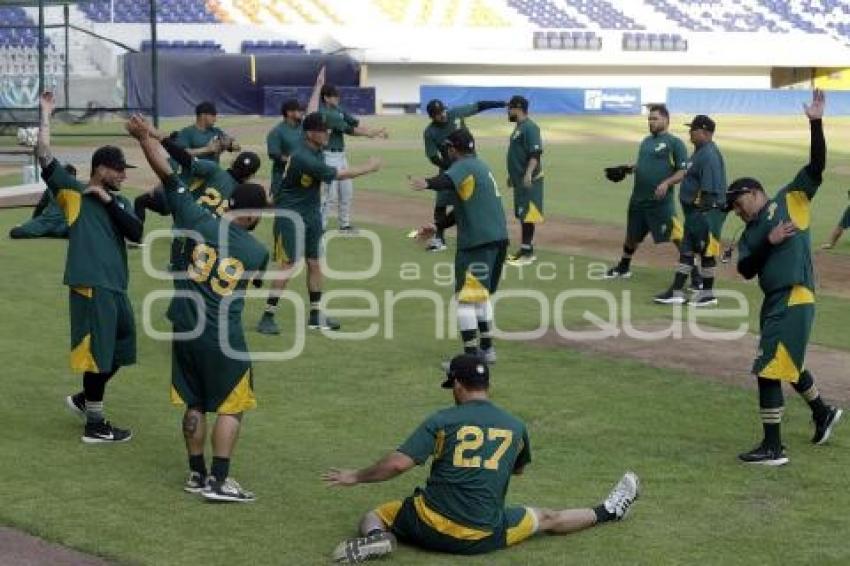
column 227, row 274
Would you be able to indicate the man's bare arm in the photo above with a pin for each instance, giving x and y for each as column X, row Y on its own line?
column 42, row 147
column 388, row 467
column 140, row 129
column 354, row 171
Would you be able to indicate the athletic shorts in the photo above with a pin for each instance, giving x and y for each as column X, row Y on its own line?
column 290, row 245
column 445, row 199
column 528, row 203
column 414, row 523
column 702, row 231
column 785, row 320
column 845, row 220
column 204, row 378
column 478, row 271
column 103, row 330
column 660, row 220
column 44, row 226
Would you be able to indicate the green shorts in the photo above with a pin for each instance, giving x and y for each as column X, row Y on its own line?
column 204, row 378
column 702, row 231
column 528, row 203
column 785, row 321
column 478, row 271
column 286, row 237
column 845, row 220
column 659, row 219
column 103, row 330
column 415, row 523
column 44, row 226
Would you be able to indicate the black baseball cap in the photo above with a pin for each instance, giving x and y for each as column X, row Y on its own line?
column 206, row 107
column 434, row 107
column 329, row 90
column 290, row 105
column 702, row 122
column 518, row 101
column 246, row 164
column 468, row 369
column 314, row 122
column 111, row 157
column 461, row 140
column 248, row 195
column 739, row 187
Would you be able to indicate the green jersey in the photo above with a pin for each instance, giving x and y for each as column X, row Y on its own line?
column 436, row 132
column 478, row 210
column 282, row 142
column 339, row 123
column 659, row 157
column 222, row 263
column 300, row 187
column 475, row 447
column 97, row 255
column 704, row 185
column 789, row 263
column 192, row 137
column 525, row 143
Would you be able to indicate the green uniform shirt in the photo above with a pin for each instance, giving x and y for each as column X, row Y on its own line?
column 704, row 184
column 97, row 254
column 479, row 212
column 475, row 447
column 659, row 157
column 789, row 263
column 340, row 123
column 191, row 137
column 301, row 185
column 282, row 142
column 436, row 133
column 212, row 275
column 525, row 142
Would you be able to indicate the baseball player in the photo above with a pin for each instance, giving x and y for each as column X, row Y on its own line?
column 661, row 164
column 475, row 448
column 776, row 247
column 48, row 220
column 204, row 139
column 843, row 224
column 444, row 121
column 482, row 238
column 339, row 193
column 525, row 176
column 299, row 193
column 701, row 196
column 204, row 377
column 103, row 335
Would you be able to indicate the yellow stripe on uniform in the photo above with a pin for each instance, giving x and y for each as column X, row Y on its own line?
column 524, row 530
column 466, row 188
column 533, row 215
column 176, row 399
column 444, row 525
column 240, row 399
column 473, row 291
column 279, row 251
column 70, row 202
column 713, row 247
column 387, row 512
column 800, row 296
column 799, row 209
column 781, row 367
column 677, row 232
column 439, row 443
column 86, row 292
column 82, row 359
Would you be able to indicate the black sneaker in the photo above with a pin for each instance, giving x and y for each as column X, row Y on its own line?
column 267, row 325
column 823, row 427
column 765, row 456
column 195, row 483
column 227, row 491
column 703, row 299
column 365, row 548
column 76, row 404
column 104, row 433
column 617, row 272
column 318, row 321
column 348, row 230
column 670, row 297
column 523, row 256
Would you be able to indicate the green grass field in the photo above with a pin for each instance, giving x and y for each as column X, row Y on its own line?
column 344, row 403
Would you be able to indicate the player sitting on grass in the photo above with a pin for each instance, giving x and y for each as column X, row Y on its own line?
column 211, row 368
column 475, row 448
column 48, row 220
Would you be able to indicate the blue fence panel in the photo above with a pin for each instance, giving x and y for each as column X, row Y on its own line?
column 356, row 100
column 750, row 101
column 541, row 100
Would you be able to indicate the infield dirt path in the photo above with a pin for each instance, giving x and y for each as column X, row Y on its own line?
column 20, row 549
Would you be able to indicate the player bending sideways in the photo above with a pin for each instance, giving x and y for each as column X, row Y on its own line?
column 476, row 447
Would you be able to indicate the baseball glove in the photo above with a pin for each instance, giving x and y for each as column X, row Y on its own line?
column 618, row 173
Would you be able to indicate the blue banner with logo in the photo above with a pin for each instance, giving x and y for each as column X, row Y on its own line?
column 750, row 101
column 600, row 101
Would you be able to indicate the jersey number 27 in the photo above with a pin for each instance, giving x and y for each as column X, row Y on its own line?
column 470, row 439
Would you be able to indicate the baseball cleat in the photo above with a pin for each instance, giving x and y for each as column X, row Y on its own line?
column 195, row 483
column 489, row 355
column 76, row 404
column 436, row 245
column 227, row 491
column 318, row 321
column 670, row 297
column 703, row 299
column 823, row 427
column 104, row 433
column 765, row 456
column 624, row 494
column 617, row 272
column 521, row 257
column 365, row 548
column 267, row 325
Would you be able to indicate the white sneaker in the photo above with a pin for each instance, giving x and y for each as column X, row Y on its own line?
column 360, row 549
column 436, row 245
column 228, row 491
column 620, row 499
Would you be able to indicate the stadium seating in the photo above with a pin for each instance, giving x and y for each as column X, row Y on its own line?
column 192, row 46
column 582, row 40
column 268, row 47
column 654, row 42
column 133, row 11
column 545, row 14
column 17, row 37
column 604, row 15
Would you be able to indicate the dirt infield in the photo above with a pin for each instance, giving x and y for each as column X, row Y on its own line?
column 20, row 549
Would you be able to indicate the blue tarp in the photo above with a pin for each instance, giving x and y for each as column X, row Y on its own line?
column 541, row 100
column 750, row 101
column 356, row 100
